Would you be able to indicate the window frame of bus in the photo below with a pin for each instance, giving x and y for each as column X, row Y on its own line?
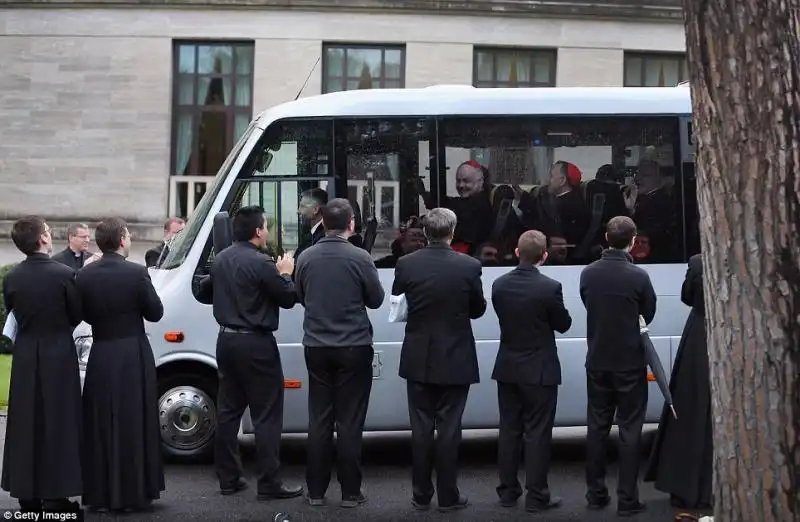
column 676, row 141
column 181, row 244
column 246, row 175
column 408, row 199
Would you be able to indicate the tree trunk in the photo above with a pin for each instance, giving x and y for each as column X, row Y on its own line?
column 745, row 83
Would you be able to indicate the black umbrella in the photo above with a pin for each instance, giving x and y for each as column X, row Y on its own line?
column 654, row 362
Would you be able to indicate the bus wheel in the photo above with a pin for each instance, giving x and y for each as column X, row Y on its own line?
column 187, row 416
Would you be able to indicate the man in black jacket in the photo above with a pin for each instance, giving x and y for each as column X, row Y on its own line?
column 336, row 283
column 77, row 252
column 443, row 290
column 529, row 306
column 247, row 289
column 171, row 227
column 615, row 293
column 310, row 214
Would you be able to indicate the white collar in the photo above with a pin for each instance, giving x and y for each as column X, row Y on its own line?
column 315, row 227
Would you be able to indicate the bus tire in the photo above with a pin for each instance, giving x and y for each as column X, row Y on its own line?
column 187, row 412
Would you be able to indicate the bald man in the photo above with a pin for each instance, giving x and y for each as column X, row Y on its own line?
column 472, row 206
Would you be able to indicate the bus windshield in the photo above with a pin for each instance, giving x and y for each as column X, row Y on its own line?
column 181, row 243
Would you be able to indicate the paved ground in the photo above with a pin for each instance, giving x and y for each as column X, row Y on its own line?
column 192, row 492
column 10, row 254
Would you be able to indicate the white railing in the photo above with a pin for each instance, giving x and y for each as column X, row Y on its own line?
column 192, row 183
column 361, row 185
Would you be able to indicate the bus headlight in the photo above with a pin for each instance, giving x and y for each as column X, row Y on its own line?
column 84, row 346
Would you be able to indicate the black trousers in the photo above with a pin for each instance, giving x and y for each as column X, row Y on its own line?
column 527, row 415
column 440, row 408
column 339, row 385
column 250, row 374
column 623, row 393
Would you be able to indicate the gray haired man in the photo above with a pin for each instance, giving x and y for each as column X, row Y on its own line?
column 443, row 290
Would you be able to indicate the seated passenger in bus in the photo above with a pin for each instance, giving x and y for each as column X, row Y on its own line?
column 472, row 206
column 607, row 181
column 641, row 247
column 488, row 254
column 556, row 251
column 410, row 240
column 560, row 209
column 652, row 208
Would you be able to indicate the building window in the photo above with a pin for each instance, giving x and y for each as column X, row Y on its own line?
column 655, row 69
column 514, row 68
column 351, row 67
column 212, row 107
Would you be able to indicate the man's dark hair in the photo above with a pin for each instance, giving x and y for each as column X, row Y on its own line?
column 532, row 246
column 336, row 215
column 26, row 233
column 620, row 232
column 319, row 196
column 109, row 233
column 246, row 221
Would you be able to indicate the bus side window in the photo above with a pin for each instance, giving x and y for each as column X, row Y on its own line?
column 386, row 165
column 565, row 177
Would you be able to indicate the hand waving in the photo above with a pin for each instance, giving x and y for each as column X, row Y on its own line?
column 285, row 263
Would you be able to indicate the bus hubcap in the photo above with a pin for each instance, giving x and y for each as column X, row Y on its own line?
column 188, row 418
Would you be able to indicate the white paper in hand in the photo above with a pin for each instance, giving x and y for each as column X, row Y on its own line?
column 10, row 328
column 398, row 308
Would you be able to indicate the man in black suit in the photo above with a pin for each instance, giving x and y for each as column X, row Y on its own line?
column 336, row 283
column 171, row 227
column 310, row 212
column 77, row 252
column 443, row 291
column 529, row 306
column 615, row 293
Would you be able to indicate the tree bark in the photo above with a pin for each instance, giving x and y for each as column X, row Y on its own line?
column 745, row 83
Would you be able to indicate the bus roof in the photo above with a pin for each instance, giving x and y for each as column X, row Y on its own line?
column 442, row 100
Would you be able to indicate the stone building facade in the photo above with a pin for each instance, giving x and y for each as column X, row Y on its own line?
column 126, row 107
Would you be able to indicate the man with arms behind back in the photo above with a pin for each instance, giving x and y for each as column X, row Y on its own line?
column 615, row 293
column 529, row 306
column 443, row 290
column 336, row 283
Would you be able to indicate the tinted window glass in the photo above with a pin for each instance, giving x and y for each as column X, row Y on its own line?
column 386, row 165
column 566, row 177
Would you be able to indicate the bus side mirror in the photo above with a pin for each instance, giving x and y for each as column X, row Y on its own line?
column 222, row 234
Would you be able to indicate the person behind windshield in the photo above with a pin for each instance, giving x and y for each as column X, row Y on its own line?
column 472, row 206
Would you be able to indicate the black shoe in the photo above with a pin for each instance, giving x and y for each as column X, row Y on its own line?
column 630, row 510
column 508, row 501
column 60, row 505
column 239, row 485
column 537, row 507
column 29, row 506
column 421, row 506
column 353, row 501
column 598, row 503
column 283, row 492
column 461, row 503
column 315, row 502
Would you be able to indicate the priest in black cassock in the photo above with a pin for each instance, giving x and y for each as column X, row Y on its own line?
column 41, row 458
column 122, row 462
column 681, row 461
